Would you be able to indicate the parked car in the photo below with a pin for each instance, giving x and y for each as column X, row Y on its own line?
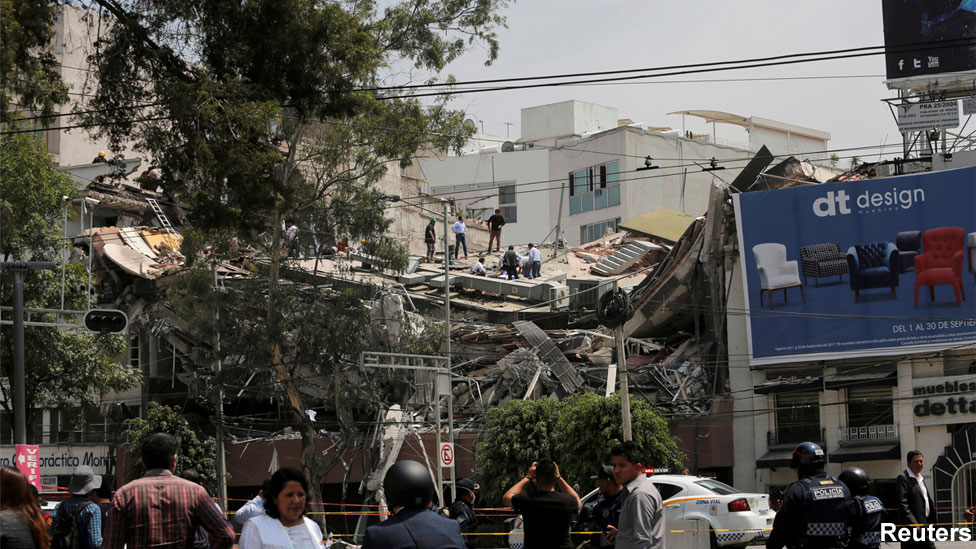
column 734, row 518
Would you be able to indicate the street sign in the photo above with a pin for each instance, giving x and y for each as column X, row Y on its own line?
column 29, row 464
column 926, row 116
column 446, row 454
column 106, row 321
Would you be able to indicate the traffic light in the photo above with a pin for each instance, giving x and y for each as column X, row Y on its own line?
column 106, row 321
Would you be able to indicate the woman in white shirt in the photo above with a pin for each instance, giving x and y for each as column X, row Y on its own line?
column 284, row 525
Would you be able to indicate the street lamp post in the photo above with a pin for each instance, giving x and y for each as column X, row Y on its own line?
column 447, row 334
column 17, row 269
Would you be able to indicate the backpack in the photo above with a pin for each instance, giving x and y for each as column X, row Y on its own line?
column 65, row 528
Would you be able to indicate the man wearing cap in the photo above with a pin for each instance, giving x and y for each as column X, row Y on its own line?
column 80, row 509
column 461, row 510
column 430, row 238
column 606, row 512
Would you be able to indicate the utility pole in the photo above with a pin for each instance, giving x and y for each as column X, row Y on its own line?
column 221, row 463
column 447, row 345
column 17, row 270
column 618, row 334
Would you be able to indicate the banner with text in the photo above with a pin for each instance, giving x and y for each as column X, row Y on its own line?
column 861, row 268
column 56, row 459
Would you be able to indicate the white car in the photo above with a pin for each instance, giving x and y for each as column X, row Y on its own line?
column 733, row 518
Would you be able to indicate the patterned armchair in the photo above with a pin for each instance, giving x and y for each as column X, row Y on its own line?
column 821, row 260
column 873, row 266
column 909, row 245
column 941, row 264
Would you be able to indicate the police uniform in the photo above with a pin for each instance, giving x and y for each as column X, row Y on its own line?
column 606, row 513
column 463, row 513
column 814, row 514
column 869, row 513
column 414, row 529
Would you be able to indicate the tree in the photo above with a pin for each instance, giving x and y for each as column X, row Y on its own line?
column 63, row 367
column 578, row 433
column 195, row 451
column 29, row 77
column 273, row 111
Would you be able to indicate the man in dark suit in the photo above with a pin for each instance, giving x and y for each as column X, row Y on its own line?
column 915, row 504
column 409, row 491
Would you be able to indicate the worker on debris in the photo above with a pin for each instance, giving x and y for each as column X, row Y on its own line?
column 409, row 491
column 478, row 268
column 99, row 158
column 430, row 238
column 815, row 508
column 510, row 263
column 461, row 510
column 534, row 257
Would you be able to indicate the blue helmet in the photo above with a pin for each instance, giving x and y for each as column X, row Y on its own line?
column 807, row 455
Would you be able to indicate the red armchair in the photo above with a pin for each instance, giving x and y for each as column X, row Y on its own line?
column 941, row 264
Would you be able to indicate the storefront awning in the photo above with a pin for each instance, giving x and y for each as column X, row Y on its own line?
column 775, row 458
column 865, row 453
column 789, row 386
column 884, row 379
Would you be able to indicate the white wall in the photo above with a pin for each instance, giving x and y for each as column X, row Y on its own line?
column 527, row 170
column 564, row 119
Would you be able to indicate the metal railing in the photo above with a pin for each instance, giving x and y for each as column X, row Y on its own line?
column 869, row 433
column 790, row 437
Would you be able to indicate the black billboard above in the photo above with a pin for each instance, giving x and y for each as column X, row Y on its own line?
column 929, row 37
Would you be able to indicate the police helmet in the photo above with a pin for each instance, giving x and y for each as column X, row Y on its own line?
column 856, row 479
column 808, row 455
column 408, row 484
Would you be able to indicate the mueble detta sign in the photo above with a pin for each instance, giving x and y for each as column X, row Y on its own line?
column 884, row 266
column 944, row 400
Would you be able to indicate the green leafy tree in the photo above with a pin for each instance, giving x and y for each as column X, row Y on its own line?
column 29, row 77
column 578, row 433
column 195, row 451
column 62, row 367
column 280, row 110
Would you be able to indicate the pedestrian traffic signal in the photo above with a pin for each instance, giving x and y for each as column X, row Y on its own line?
column 106, row 321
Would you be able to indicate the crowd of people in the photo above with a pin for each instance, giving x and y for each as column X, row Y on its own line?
column 161, row 509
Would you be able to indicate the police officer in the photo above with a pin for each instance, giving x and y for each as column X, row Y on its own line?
column 606, row 512
column 409, row 492
column 868, row 512
column 815, row 508
column 461, row 510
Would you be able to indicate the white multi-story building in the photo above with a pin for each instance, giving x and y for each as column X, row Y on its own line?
column 578, row 167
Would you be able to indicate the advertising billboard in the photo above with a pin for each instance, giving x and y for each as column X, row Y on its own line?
column 928, row 37
column 860, row 268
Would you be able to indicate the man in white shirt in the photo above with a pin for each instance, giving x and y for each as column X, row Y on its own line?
column 478, row 268
column 460, row 231
column 535, row 262
column 641, row 522
column 915, row 505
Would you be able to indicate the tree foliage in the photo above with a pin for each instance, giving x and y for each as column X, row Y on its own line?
column 263, row 111
column 578, row 433
column 195, row 451
column 29, row 77
column 63, row 367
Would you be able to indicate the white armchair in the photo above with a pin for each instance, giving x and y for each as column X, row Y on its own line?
column 775, row 272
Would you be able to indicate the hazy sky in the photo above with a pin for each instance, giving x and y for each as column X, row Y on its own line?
column 567, row 36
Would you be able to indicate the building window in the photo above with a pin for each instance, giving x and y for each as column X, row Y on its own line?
column 506, row 203
column 595, row 231
column 869, row 406
column 797, row 418
column 594, row 188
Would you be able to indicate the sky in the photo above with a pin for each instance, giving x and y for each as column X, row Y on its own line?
column 570, row 36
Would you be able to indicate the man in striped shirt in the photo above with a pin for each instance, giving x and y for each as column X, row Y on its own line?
column 163, row 510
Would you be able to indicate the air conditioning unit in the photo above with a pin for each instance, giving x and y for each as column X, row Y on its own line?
column 585, row 293
column 558, row 296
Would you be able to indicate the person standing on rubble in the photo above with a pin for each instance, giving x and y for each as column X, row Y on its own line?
column 495, row 224
column 291, row 234
column 510, row 263
column 460, row 237
column 430, row 238
column 535, row 262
